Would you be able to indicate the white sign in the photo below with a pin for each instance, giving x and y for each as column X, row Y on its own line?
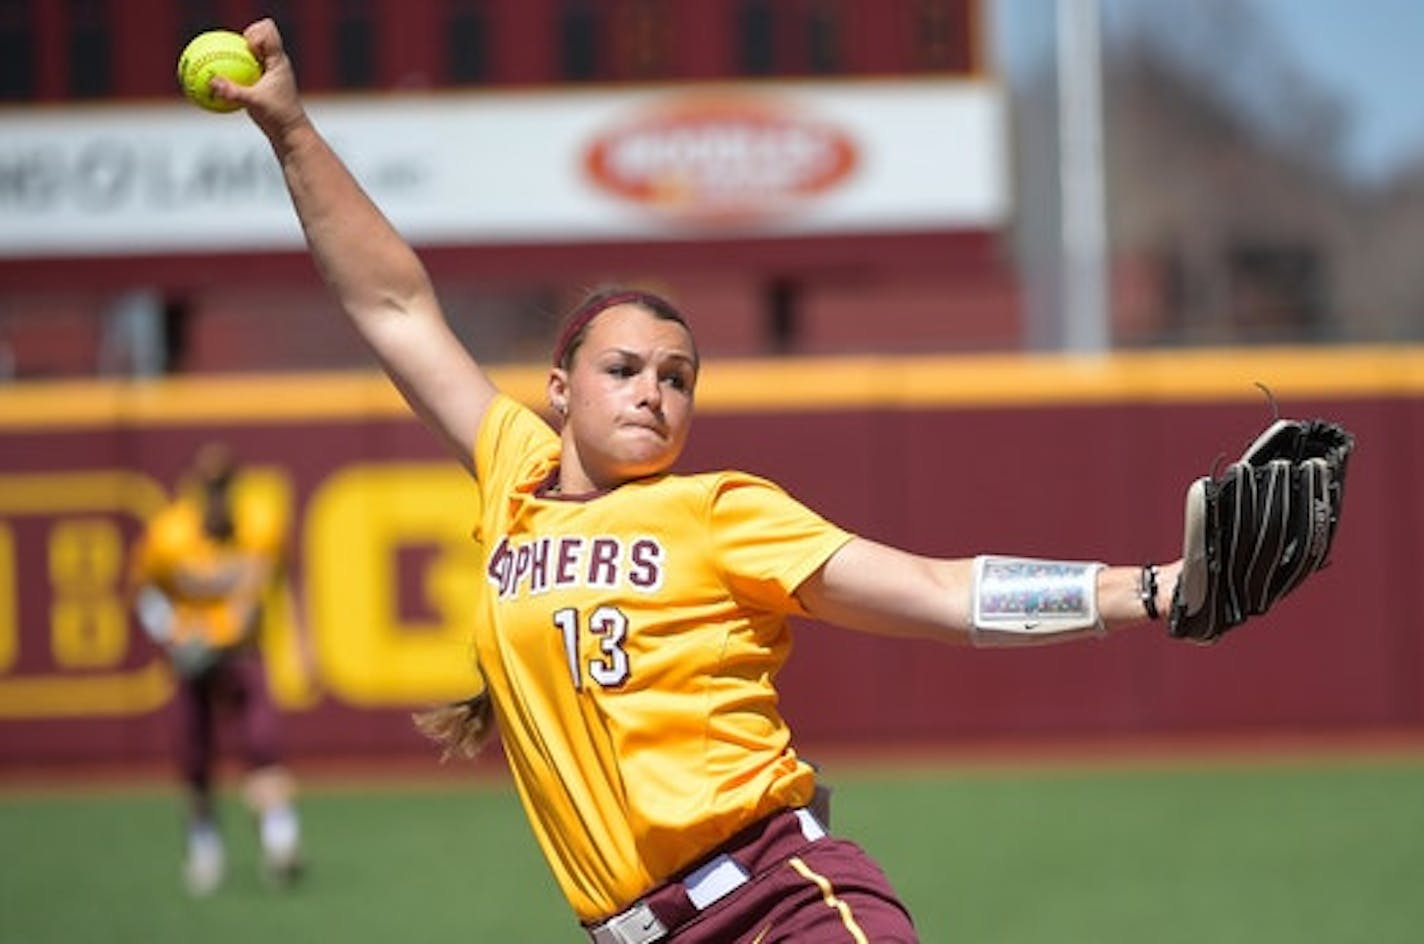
column 678, row 163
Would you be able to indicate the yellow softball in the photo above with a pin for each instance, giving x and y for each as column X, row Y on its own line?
column 216, row 53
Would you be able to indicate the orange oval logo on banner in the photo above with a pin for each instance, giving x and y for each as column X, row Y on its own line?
column 720, row 159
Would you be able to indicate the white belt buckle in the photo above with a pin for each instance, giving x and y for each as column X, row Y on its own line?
column 718, row 878
column 637, row 925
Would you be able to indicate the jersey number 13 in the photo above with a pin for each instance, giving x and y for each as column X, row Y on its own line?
column 610, row 668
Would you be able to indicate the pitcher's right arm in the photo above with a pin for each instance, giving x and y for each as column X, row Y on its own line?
column 376, row 276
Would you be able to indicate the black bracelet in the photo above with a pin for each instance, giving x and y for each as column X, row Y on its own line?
column 1147, row 590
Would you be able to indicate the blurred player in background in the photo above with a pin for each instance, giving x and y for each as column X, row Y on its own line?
column 201, row 576
column 632, row 621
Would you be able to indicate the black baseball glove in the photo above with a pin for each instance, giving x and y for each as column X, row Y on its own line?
column 1257, row 530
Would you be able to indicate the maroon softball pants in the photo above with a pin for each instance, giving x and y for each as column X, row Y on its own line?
column 784, row 880
column 234, row 686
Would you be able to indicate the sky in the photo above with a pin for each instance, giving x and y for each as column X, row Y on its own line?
column 1371, row 54
column 1368, row 54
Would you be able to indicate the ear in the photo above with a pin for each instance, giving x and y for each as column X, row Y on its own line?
column 557, row 391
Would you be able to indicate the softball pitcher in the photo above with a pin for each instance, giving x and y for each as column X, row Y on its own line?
column 634, row 620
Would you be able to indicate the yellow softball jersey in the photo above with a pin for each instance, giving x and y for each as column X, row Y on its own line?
column 630, row 642
column 199, row 574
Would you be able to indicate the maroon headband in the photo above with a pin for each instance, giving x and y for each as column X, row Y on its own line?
column 592, row 308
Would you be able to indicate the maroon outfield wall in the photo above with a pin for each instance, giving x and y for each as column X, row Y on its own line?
column 946, row 456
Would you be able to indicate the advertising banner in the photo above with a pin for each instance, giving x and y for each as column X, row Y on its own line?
column 947, row 456
column 667, row 163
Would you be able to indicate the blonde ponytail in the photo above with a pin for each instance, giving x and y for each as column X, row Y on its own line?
column 461, row 728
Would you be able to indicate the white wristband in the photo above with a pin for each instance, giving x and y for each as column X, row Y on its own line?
column 1020, row 600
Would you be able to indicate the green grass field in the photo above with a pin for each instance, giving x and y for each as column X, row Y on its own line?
column 1284, row 852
